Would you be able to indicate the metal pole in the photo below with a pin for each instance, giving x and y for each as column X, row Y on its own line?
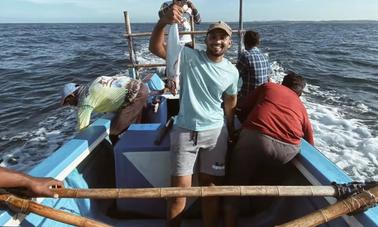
column 240, row 26
column 132, row 54
column 192, row 29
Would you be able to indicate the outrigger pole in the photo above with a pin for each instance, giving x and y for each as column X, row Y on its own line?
column 340, row 191
column 209, row 191
column 350, row 205
column 27, row 206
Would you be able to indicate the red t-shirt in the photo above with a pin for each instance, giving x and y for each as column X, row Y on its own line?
column 278, row 112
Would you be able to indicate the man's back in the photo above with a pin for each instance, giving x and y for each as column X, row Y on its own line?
column 254, row 69
column 278, row 112
column 105, row 94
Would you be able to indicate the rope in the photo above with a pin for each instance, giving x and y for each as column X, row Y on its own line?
column 323, row 215
column 347, row 206
column 312, row 192
column 352, row 188
column 24, row 207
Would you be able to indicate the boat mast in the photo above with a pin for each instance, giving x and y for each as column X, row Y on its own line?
column 133, row 58
column 240, row 26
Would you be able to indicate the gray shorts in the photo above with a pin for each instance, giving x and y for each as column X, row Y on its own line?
column 209, row 146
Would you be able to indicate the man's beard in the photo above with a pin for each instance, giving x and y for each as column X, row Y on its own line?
column 216, row 53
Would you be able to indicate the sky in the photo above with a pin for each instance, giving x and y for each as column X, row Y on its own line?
column 108, row 11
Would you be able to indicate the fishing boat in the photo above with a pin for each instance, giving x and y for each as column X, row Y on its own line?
column 139, row 162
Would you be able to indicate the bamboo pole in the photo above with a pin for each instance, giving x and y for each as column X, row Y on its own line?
column 44, row 211
column 346, row 206
column 132, row 54
column 192, row 29
column 240, row 26
column 109, row 193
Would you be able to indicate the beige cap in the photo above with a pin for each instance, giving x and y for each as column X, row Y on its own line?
column 220, row 25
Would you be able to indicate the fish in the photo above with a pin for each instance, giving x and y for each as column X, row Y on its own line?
column 174, row 48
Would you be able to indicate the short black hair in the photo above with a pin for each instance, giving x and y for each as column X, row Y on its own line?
column 295, row 82
column 251, row 39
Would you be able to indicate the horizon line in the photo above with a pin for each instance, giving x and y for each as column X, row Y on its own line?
column 258, row 21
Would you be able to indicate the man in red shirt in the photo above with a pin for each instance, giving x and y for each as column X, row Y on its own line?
column 270, row 136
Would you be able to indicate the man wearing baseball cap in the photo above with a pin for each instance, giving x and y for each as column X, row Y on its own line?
column 200, row 134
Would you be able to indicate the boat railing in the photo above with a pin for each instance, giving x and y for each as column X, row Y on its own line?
column 129, row 35
column 138, row 34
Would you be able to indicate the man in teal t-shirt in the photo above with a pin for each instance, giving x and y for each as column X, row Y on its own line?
column 200, row 135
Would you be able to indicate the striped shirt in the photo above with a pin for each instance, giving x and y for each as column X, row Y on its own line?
column 254, row 69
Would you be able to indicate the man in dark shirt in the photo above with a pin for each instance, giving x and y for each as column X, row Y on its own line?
column 270, row 135
column 253, row 65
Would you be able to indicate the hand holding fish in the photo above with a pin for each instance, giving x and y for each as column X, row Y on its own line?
column 171, row 86
column 174, row 14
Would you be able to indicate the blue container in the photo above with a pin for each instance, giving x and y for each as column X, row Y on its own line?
column 149, row 116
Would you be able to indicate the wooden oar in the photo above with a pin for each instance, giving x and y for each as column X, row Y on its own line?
column 346, row 206
column 109, row 193
column 29, row 206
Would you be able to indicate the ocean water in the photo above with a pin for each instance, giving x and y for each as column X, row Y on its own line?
column 338, row 59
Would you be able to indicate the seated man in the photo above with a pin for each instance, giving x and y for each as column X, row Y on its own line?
column 36, row 186
column 270, row 135
column 120, row 94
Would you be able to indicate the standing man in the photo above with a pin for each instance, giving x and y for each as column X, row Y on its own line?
column 253, row 65
column 270, row 136
column 120, row 94
column 199, row 135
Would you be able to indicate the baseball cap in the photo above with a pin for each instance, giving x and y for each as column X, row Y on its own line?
column 220, row 25
column 68, row 89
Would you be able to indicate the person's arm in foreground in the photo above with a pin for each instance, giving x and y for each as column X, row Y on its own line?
column 157, row 46
column 37, row 186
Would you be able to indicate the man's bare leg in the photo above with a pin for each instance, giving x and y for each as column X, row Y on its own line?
column 176, row 205
column 210, row 205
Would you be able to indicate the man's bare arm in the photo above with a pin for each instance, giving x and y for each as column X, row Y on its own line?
column 36, row 185
column 229, row 110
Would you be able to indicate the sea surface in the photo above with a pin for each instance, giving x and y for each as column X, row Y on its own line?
column 338, row 59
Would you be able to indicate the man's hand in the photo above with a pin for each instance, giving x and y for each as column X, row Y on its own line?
column 173, row 15
column 171, row 86
column 38, row 186
column 191, row 5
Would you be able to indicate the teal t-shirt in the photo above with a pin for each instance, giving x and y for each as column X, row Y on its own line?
column 202, row 84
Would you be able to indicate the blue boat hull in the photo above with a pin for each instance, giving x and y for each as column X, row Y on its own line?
column 89, row 161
